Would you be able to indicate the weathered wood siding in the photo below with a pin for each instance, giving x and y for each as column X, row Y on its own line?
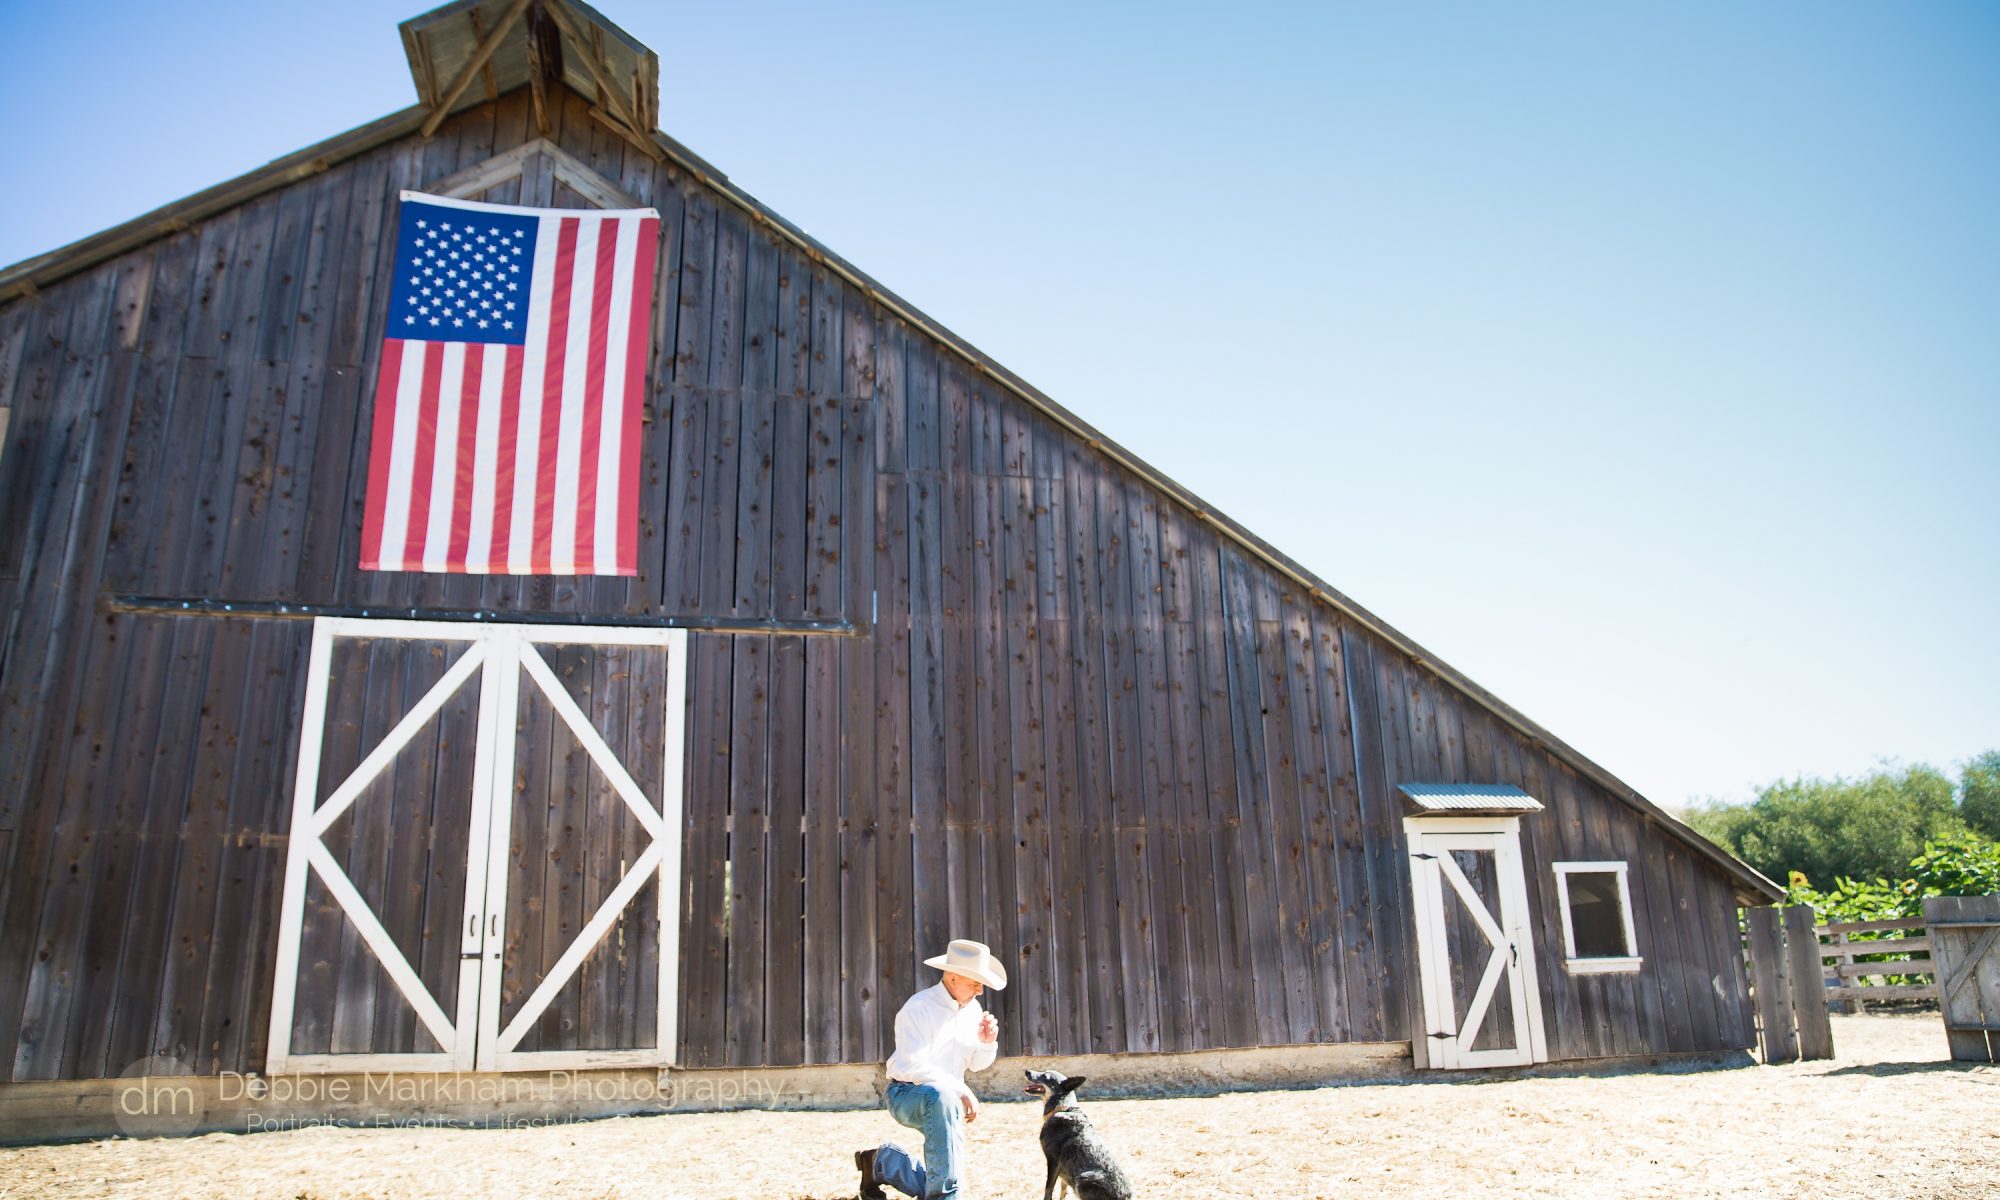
column 1081, row 724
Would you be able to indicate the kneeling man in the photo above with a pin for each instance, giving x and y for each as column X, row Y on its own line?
column 941, row 1033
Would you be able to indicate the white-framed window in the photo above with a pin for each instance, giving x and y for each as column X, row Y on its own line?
column 1596, row 900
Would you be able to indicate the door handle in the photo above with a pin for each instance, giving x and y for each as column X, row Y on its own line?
column 472, row 926
column 493, row 926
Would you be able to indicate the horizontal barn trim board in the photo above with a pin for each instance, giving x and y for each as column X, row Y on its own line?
column 66, row 1110
column 25, row 277
column 164, row 607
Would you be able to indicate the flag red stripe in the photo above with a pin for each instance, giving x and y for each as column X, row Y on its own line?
column 593, row 414
column 503, row 485
column 378, row 453
column 634, row 397
column 552, row 389
column 414, row 536
column 468, row 445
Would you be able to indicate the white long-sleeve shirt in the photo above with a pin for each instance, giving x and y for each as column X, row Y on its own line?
column 937, row 1042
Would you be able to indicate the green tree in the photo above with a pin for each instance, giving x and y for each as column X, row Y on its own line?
column 1979, row 794
column 1828, row 829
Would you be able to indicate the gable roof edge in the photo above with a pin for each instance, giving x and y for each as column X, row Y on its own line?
column 1751, row 882
column 30, row 275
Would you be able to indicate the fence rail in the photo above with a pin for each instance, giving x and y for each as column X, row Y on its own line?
column 1844, row 969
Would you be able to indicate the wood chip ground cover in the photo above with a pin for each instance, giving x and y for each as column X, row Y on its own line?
column 1890, row 1117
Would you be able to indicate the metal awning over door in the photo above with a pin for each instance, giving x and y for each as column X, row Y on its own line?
column 485, row 853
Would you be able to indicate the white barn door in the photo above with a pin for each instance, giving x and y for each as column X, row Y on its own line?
column 1475, row 949
column 484, row 861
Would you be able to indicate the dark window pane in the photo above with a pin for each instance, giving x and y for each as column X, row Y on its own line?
column 1594, row 915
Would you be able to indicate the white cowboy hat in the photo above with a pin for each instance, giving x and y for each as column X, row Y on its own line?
column 972, row 960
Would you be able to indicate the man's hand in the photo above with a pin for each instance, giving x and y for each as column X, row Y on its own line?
column 989, row 1028
column 971, row 1107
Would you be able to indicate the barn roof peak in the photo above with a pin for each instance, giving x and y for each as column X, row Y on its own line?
column 472, row 51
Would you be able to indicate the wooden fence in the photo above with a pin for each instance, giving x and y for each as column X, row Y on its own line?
column 1957, row 944
column 1791, row 1017
column 1841, row 971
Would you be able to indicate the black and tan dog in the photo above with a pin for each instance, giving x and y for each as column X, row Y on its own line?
column 1076, row 1155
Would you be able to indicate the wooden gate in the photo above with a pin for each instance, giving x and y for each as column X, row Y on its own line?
column 484, row 860
column 1475, row 952
column 1965, row 942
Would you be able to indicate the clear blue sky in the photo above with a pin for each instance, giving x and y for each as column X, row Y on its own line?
column 1641, row 361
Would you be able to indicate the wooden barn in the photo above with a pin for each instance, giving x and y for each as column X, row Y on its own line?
column 911, row 651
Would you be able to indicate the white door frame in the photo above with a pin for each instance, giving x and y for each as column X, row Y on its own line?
column 474, row 1039
column 1448, row 1044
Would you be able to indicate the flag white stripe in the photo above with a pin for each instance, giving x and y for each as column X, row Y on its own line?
column 444, row 459
column 534, row 361
column 485, row 456
column 575, row 395
column 611, row 439
column 402, row 455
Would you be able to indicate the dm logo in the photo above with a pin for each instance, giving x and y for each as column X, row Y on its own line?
column 158, row 1097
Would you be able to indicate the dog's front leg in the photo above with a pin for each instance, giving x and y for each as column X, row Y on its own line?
column 1049, row 1185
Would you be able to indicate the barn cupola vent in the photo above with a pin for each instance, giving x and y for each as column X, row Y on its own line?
column 474, row 51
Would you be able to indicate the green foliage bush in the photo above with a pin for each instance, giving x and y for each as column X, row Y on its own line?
column 1836, row 828
column 1961, row 864
column 1979, row 794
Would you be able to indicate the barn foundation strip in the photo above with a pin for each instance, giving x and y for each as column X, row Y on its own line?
column 247, row 1103
column 268, row 610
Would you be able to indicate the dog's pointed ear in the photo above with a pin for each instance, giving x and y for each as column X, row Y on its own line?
column 1072, row 1083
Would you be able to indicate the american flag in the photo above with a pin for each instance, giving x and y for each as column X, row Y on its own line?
column 507, row 407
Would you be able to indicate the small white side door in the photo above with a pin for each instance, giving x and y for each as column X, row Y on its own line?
column 1475, row 950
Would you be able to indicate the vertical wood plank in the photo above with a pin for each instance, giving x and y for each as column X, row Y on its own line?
column 1700, row 977
column 896, row 951
column 1202, row 939
column 1772, row 978
column 745, row 1000
column 1103, row 930
column 1348, row 837
column 705, row 851
column 785, row 899
column 1263, row 892
column 825, row 870
column 1227, row 853
column 1032, row 1002
column 1137, row 951
column 1166, row 922
column 930, row 857
column 1388, row 874
column 1815, row 1029
column 1066, row 958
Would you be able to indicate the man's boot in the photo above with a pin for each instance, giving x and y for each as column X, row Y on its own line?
column 871, row 1187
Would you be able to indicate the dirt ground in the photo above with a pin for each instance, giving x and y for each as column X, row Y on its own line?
column 1891, row 1117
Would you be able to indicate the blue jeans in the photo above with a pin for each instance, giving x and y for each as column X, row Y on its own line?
column 941, row 1116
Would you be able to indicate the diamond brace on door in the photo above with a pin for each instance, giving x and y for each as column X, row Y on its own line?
column 506, row 437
